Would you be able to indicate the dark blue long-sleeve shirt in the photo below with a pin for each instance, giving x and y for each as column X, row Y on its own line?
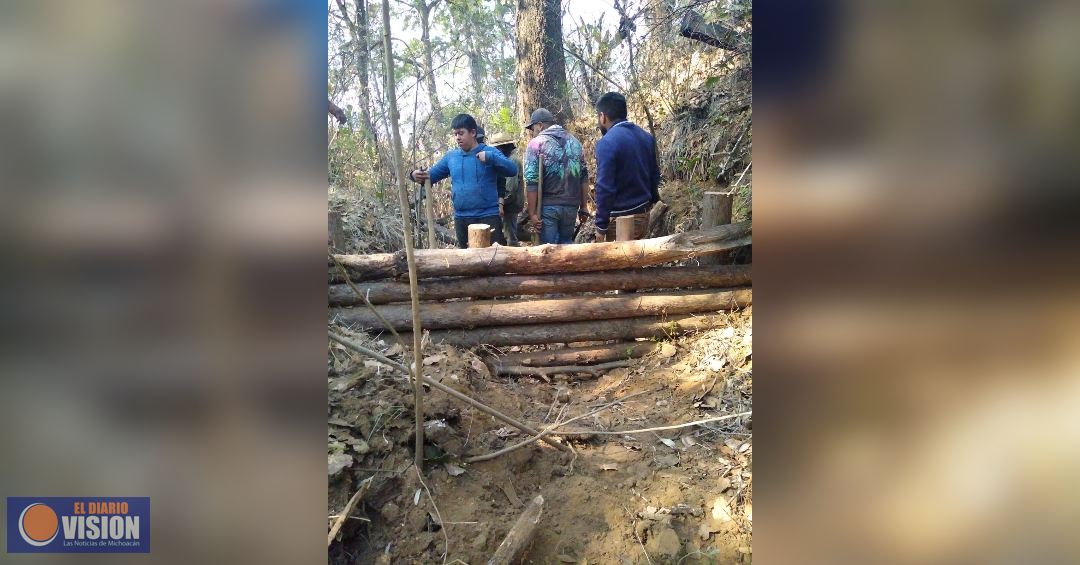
column 627, row 175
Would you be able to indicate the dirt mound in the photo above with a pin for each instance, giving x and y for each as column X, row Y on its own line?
column 680, row 493
column 371, row 224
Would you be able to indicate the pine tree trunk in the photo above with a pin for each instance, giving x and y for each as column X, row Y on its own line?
column 476, row 69
column 359, row 34
column 541, row 66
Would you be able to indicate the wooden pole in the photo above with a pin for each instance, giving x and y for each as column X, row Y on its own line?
column 716, row 211
column 556, row 259
column 520, row 535
column 594, row 370
column 577, row 355
column 717, row 276
column 410, row 256
column 479, row 235
column 601, row 330
column 429, row 215
column 483, row 313
column 436, row 384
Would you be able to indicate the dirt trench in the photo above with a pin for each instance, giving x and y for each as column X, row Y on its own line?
column 681, row 496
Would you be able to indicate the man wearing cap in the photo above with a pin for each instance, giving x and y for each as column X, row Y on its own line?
column 565, row 195
column 511, row 190
column 627, row 175
column 474, row 169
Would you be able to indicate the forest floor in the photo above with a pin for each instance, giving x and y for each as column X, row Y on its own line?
column 671, row 496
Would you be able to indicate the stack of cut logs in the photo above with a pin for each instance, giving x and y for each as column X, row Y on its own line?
column 546, row 294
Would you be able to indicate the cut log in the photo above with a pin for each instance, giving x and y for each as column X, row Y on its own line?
column 549, row 258
column 479, row 236
column 656, row 215
column 625, row 228
column 520, row 536
column 716, row 211
column 693, row 26
column 577, row 355
column 335, row 231
column 727, row 276
column 441, row 234
column 594, row 370
column 536, row 334
column 482, row 313
column 368, row 267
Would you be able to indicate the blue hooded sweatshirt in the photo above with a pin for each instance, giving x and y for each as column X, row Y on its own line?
column 474, row 185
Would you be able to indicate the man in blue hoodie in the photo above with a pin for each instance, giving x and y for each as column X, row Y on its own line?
column 627, row 175
column 474, row 170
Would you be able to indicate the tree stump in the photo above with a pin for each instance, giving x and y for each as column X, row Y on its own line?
column 716, row 211
column 335, row 231
column 624, row 228
column 479, row 235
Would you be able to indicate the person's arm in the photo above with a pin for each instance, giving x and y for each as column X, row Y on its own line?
column 503, row 165
column 531, row 175
column 605, row 186
column 534, row 219
column 583, row 208
column 436, row 173
column 654, row 173
column 440, row 170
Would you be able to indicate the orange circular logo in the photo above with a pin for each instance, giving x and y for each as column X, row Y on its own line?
column 38, row 524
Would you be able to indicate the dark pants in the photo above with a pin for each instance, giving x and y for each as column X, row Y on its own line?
column 510, row 225
column 461, row 229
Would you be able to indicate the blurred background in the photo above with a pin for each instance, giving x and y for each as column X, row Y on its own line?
column 162, row 177
column 916, row 298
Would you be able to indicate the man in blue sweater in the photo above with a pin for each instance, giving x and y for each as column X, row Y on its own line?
column 627, row 175
column 474, row 169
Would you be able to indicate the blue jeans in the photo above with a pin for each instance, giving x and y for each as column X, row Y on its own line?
column 558, row 224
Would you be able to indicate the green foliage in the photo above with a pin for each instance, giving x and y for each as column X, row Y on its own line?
column 503, row 121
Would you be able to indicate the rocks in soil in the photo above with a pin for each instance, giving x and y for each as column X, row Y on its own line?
column 417, row 519
column 720, row 511
column 520, row 458
column 481, row 540
column 390, row 512
column 442, row 434
column 337, row 462
column 668, row 460
column 438, row 431
column 665, row 543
